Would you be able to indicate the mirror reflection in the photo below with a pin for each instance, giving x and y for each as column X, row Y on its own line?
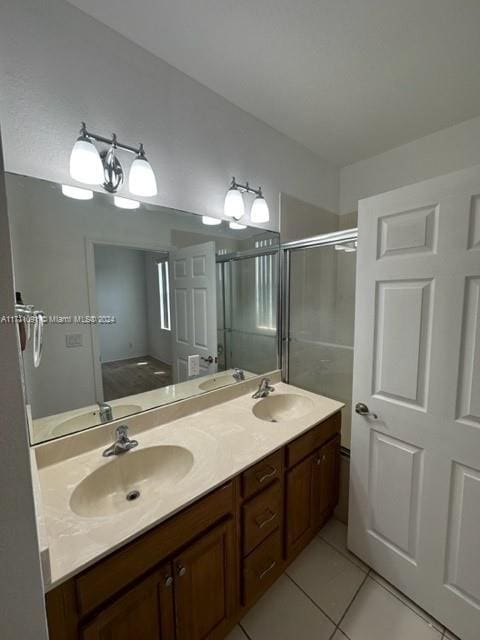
column 129, row 309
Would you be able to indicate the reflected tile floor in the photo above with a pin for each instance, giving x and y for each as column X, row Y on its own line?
column 328, row 593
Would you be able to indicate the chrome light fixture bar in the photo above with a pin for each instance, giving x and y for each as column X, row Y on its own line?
column 234, row 206
column 89, row 166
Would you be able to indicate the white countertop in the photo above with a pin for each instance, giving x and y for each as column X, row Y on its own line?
column 224, row 439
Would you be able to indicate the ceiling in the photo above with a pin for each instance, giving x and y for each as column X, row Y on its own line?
column 346, row 78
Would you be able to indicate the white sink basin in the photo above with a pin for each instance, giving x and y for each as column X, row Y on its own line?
column 282, row 408
column 130, row 479
column 216, row 383
column 91, row 418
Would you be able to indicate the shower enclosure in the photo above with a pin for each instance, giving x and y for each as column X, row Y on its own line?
column 247, row 284
column 318, row 313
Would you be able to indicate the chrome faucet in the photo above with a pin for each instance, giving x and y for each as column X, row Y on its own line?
column 264, row 389
column 105, row 412
column 238, row 374
column 122, row 443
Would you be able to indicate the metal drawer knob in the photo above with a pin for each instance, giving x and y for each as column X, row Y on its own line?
column 168, row 581
column 181, row 571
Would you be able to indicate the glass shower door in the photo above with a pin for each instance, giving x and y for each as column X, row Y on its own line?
column 321, row 322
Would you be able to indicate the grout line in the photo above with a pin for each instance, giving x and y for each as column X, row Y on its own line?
column 344, row 552
column 311, row 599
column 351, row 602
column 408, row 605
column 243, row 629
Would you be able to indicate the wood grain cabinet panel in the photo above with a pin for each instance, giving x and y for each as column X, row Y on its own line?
column 325, row 481
column 262, row 568
column 260, row 516
column 299, row 511
column 146, row 612
column 206, row 585
column 263, row 473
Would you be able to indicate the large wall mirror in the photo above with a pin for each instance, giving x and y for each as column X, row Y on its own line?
column 140, row 307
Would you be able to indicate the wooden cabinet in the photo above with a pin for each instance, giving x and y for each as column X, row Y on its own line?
column 206, row 585
column 312, row 493
column 183, row 579
column 146, row 612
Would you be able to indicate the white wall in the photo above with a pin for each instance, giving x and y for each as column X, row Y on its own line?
column 22, row 613
column 58, row 66
column 121, row 292
column 299, row 219
column 448, row 150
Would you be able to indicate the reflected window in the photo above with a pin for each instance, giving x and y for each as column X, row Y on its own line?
column 264, row 288
column 164, row 292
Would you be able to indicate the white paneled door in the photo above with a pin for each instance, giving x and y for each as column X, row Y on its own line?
column 415, row 465
column 194, row 308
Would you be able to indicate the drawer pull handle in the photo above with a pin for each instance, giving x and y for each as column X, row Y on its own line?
column 267, row 570
column 263, row 523
column 270, row 474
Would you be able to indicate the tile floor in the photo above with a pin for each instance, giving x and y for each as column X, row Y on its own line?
column 327, row 593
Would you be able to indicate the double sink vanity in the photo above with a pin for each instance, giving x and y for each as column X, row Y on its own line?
column 177, row 536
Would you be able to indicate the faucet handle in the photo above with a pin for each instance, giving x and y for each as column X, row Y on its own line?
column 121, row 432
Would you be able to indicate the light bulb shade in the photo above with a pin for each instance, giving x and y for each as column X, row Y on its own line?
column 76, row 192
column 236, row 225
column 211, row 222
column 259, row 212
column 125, row 203
column 85, row 162
column 234, row 206
column 141, row 179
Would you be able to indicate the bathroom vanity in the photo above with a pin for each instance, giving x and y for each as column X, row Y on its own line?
column 195, row 572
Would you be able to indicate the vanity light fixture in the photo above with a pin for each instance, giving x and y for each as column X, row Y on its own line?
column 234, row 206
column 91, row 167
column 236, row 225
column 77, row 193
column 211, row 222
column 125, row 203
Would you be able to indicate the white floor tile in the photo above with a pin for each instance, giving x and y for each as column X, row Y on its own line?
column 285, row 613
column 335, row 533
column 423, row 614
column 376, row 614
column 327, row 576
column 236, row 634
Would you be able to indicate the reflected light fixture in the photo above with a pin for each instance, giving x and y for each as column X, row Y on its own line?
column 89, row 166
column 77, row 193
column 234, row 206
column 236, row 225
column 125, row 203
column 211, row 222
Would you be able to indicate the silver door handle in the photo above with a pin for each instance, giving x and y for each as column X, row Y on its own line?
column 364, row 411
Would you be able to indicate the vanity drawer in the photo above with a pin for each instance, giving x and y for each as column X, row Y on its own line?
column 262, row 474
column 262, row 567
column 261, row 515
column 108, row 576
column 313, row 439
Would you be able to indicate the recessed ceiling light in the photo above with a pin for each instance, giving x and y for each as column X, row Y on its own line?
column 76, row 192
column 125, row 203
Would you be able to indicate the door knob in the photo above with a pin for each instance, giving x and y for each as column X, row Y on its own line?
column 210, row 359
column 364, row 411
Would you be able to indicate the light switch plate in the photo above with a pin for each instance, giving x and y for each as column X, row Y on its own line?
column 193, row 365
column 74, row 340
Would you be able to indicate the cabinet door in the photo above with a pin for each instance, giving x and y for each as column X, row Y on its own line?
column 206, row 585
column 299, row 516
column 146, row 612
column 325, row 481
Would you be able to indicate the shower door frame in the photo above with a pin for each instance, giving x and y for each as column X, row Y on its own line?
column 274, row 249
column 286, row 248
